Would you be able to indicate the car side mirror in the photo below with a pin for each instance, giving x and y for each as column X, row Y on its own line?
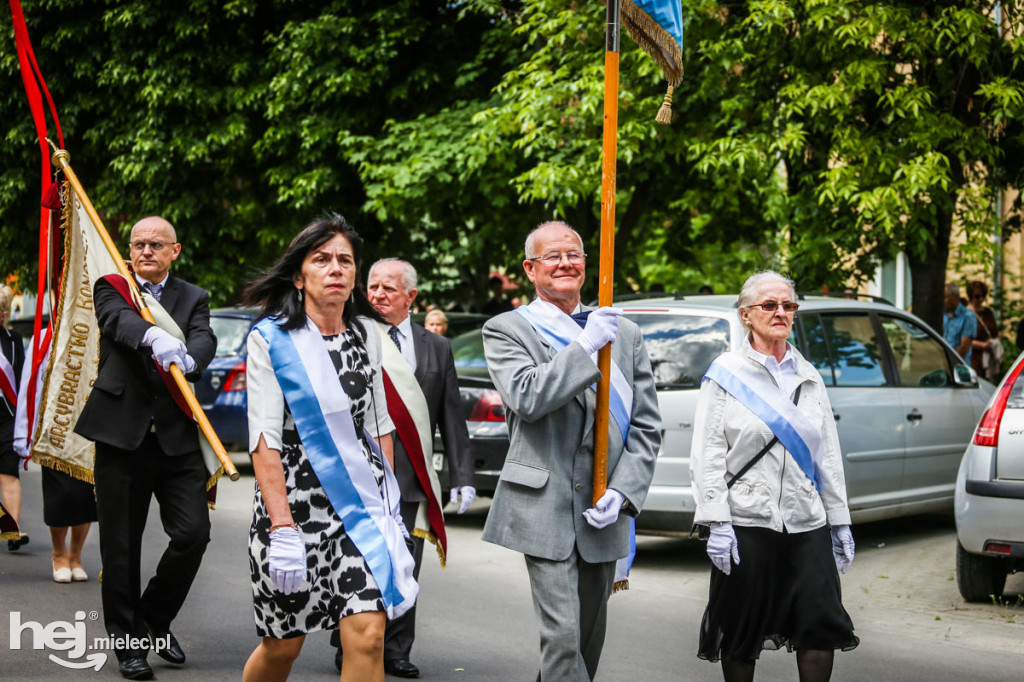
column 964, row 375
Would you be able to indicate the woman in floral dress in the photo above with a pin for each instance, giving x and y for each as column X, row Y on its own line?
column 319, row 434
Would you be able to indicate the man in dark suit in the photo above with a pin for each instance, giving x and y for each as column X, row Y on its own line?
column 146, row 446
column 392, row 289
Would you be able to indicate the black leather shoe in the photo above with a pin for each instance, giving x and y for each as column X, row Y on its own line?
column 135, row 668
column 169, row 650
column 401, row 667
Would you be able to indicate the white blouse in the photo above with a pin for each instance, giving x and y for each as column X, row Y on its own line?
column 266, row 400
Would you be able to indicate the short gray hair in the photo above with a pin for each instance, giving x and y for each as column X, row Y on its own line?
column 952, row 290
column 749, row 289
column 530, row 250
column 408, row 272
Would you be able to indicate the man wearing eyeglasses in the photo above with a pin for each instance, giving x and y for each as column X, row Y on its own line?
column 543, row 360
column 146, row 446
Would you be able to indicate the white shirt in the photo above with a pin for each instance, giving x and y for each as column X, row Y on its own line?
column 405, row 338
column 784, row 372
column 142, row 282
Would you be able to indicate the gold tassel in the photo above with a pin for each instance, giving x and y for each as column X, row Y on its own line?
column 620, row 585
column 665, row 112
column 432, row 539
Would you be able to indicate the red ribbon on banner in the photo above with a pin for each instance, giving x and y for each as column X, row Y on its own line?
column 35, row 89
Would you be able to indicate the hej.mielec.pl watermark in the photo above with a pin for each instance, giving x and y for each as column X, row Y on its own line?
column 71, row 638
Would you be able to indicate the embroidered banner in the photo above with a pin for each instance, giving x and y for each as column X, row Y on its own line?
column 73, row 362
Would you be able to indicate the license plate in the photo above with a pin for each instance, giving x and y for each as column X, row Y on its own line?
column 438, row 461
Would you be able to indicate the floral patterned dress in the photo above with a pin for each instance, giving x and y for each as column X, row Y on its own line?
column 339, row 581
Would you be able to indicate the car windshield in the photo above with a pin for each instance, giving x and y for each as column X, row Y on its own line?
column 682, row 347
column 231, row 334
column 468, row 350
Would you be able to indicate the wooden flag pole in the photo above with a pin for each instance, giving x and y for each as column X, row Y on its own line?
column 62, row 159
column 607, row 266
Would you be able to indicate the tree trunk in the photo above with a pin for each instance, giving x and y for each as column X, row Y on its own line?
column 928, row 274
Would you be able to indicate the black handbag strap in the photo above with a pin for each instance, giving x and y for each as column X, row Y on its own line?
column 765, row 449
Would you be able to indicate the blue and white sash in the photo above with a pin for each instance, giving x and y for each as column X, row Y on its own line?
column 323, row 419
column 760, row 395
column 559, row 330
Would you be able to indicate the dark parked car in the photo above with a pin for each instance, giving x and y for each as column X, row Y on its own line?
column 221, row 390
column 485, row 413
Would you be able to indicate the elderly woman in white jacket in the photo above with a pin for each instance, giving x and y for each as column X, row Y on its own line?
column 768, row 479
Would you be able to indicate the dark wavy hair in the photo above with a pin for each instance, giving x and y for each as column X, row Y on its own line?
column 274, row 292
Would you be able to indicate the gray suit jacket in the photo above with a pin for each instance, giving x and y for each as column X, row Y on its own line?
column 435, row 373
column 547, row 481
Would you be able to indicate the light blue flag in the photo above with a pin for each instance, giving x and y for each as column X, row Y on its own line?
column 657, row 26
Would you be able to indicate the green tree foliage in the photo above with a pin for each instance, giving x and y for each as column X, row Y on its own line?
column 818, row 136
column 879, row 126
column 226, row 117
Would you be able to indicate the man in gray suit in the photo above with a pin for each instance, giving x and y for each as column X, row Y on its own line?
column 544, row 365
column 391, row 288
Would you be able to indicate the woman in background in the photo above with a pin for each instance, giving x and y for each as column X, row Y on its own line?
column 436, row 321
column 69, row 504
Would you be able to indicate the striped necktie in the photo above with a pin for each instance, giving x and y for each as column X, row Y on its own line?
column 154, row 289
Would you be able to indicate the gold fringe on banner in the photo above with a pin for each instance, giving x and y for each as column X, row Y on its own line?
column 72, row 470
column 10, row 534
column 620, row 586
column 432, row 539
column 661, row 46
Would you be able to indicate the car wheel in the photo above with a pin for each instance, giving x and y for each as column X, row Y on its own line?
column 979, row 577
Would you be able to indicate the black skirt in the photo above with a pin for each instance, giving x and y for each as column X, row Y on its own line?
column 67, row 501
column 784, row 592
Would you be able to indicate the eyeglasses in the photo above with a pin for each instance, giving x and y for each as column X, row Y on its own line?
column 153, row 246
column 772, row 306
column 555, row 257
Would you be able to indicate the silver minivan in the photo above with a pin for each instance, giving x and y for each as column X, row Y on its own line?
column 905, row 404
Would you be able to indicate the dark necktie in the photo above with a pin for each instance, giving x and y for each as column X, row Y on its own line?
column 393, row 333
column 580, row 318
column 154, row 289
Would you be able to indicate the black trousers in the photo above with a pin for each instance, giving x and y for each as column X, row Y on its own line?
column 125, row 483
column 400, row 633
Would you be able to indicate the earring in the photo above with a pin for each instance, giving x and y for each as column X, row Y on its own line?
column 299, row 294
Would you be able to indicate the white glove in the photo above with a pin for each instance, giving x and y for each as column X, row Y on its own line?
column 189, row 365
column 842, row 547
column 468, row 495
column 602, row 326
column 166, row 349
column 287, row 560
column 606, row 511
column 722, row 546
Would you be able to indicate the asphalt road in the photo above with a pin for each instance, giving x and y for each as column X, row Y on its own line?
column 476, row 619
